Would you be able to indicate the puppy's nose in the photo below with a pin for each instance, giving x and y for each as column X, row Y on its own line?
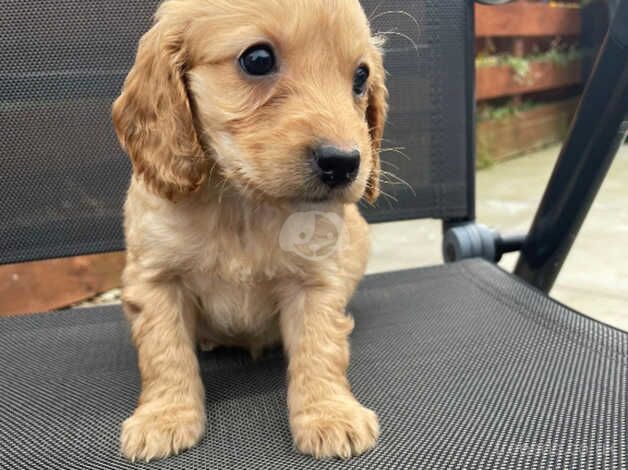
column 336, row 167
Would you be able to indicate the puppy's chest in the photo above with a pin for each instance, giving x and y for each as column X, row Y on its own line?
column 235, row 285
column 238, row 263
column 237, row 313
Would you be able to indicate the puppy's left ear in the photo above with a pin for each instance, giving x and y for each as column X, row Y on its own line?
column 376, row 114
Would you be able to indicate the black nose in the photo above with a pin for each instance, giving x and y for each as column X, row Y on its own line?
column 336, row 167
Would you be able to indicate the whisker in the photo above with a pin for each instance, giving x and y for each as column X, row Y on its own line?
column 393, row 148
column 397, row 12
column 389, row 163
column 368, row 202
column 390, row 196
column 375, row 10
column 397, row 151
column 402, row 35
column 400, row 181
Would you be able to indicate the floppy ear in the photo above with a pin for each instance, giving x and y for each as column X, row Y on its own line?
column 376, row 114
column 153, row 118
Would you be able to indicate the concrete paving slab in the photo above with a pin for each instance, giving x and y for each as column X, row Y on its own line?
column 594, row 279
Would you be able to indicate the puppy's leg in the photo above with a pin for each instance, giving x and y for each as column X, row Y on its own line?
column 170, row 416
column 326, row 419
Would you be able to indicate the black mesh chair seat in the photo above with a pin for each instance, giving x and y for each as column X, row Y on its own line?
column 466, row 366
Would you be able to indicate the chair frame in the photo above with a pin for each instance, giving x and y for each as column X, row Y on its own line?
column 598, row 129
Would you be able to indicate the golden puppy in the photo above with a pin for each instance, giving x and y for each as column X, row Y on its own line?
column 245, row 120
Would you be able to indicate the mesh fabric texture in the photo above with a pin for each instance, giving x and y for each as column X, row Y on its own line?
column 63, row 174
column 466, row 367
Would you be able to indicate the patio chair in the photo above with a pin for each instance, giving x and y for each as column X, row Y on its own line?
column 467, row 366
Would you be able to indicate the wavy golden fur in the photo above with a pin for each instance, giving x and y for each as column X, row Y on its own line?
column 220, row 165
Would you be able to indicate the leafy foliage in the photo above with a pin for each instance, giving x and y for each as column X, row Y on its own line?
column 511, row 108
column 521, row 65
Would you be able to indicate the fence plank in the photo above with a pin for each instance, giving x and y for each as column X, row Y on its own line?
column 46, row 285
column 527, row 19
column 494, row 82
column 524, row 132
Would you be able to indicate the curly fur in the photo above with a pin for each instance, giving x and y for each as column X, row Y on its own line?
column 221, row 162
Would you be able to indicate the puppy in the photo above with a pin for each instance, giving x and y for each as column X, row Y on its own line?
column 241, row 119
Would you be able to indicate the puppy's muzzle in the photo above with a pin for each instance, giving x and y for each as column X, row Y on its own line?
column 336, row 167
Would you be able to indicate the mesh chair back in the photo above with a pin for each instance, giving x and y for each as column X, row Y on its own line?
column 64, row 175
column 429, row 164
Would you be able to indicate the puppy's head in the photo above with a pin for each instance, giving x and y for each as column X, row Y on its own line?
column 286, row 98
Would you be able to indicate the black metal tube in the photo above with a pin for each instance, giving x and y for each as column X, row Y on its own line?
column 595, row 136
column 510, row 243
column 470, row 109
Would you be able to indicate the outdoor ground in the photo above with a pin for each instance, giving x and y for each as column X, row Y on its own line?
column 594, row 279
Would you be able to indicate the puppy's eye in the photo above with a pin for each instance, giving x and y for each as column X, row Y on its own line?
column 258, row 60
column 360, row 79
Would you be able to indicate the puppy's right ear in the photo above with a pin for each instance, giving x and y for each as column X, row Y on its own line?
column 153, row 117
column 376, row 114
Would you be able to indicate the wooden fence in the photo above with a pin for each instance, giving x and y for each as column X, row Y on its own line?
column 529, row 62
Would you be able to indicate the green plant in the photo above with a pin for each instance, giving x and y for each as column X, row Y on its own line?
column 511, row 108
column 557, row 54
column 520, row 65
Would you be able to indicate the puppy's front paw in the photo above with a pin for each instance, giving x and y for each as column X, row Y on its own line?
column 155, row 433
column 335, row 428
